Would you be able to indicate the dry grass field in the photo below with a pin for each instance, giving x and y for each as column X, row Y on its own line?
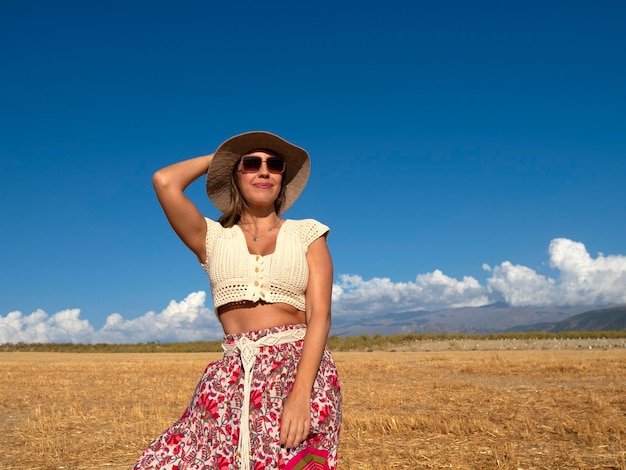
column 454, row 409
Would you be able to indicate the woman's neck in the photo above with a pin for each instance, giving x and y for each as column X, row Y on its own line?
column 259, row 220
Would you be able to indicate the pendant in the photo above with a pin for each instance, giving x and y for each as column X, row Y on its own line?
column 255, row 239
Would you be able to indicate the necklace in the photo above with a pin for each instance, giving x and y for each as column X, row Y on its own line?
column 255, row 237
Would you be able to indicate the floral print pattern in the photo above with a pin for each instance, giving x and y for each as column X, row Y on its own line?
column 206, row 436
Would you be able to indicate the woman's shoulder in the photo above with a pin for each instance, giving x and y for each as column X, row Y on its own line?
column 308, row 230
column 215, row 229
column 212, row 225
column 305, row 223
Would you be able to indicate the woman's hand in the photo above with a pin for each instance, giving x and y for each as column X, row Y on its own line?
column 296, row 419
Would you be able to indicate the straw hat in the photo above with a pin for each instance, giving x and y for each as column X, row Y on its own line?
column 297, row 166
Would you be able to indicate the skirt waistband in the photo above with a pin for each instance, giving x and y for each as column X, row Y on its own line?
column 258, row 334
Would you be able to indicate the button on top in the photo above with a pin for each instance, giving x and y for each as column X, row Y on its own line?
column 257, row 281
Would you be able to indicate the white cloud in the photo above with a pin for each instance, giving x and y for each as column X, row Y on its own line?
column 353, row 295
column 520, row 286
column 38, row 327
column 188, row 320
column 599, row 281
column 582, row 280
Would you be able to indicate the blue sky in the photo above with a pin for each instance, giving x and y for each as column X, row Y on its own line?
column 462, row 152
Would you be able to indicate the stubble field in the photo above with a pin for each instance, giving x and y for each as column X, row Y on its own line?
column 436, row 409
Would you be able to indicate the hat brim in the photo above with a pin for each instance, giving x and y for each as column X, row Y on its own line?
column 228, row 154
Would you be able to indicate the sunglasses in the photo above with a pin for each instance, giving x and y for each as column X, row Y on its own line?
column 252, row 164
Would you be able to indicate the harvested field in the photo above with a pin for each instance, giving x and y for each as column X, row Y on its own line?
column 541, row 408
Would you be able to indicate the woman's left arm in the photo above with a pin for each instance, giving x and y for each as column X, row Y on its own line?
column 297, row 408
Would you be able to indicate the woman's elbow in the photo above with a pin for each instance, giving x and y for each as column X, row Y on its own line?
column 321, row 317
column 159, row 179
column 162, row 182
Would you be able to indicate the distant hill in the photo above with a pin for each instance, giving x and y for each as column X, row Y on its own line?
column 594, row 320
column 606, row 319
column 494, row 318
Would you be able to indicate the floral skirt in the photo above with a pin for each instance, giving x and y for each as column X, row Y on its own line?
column 207, row 434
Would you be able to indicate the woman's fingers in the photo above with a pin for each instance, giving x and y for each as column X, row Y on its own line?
column 293, row 432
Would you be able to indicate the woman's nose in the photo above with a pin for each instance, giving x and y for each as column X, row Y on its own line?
column 263, row 170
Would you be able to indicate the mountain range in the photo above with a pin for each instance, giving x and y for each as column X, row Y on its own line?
column 493, row 318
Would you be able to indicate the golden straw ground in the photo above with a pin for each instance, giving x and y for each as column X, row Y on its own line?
column 511, row 409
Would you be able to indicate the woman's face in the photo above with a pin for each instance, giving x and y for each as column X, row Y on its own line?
column 260, row 188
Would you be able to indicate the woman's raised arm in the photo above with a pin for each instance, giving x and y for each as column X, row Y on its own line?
column 183, row 215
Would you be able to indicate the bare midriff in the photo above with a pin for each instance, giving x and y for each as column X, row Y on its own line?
column 240, row 317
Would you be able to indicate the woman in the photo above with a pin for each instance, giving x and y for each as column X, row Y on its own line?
column 274, row 399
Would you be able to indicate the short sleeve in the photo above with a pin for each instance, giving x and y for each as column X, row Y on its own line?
column 310, row 230
column 213, row 230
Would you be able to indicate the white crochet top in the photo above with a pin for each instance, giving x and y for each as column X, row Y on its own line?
column 282, row 276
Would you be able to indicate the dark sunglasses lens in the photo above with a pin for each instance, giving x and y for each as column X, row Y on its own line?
column 251, row 164
column 275, row 165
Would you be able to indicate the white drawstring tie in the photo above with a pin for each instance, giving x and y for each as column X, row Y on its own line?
column 248, row 351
